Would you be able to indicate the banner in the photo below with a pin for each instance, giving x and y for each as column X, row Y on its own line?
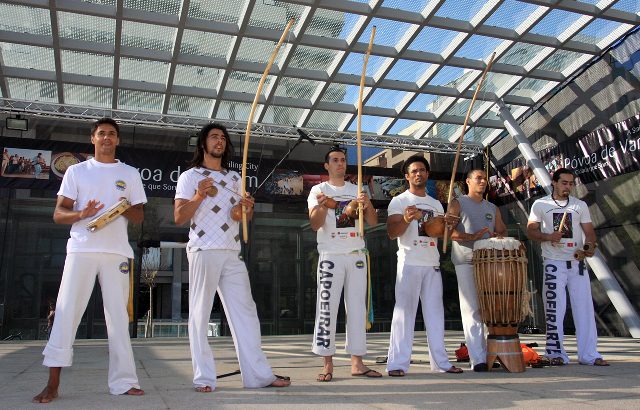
column 607, row 152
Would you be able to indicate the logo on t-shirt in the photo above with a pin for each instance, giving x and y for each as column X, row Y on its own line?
column 121, row 185
column 360, row 264
column 488, row 216
column 567, row 228
column 426, row 215
column 124, row 268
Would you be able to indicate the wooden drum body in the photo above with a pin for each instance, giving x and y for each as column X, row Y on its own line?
column 500, row 273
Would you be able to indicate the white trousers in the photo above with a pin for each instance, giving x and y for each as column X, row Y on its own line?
column 223, row 270
column 559, row 277
column 472, row 324
column 417, row 284
column 78, row 279
column 336, row 271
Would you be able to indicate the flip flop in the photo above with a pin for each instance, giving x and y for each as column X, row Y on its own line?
column 368, row 373
column 600, row 362
column 396, row 373
column 454, row 369
column 324, row 377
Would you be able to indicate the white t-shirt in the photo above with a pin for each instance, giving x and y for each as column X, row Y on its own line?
column 211, row 226
column 549, row 214
column 106, row 183
column 339, row 233
column 415, row 248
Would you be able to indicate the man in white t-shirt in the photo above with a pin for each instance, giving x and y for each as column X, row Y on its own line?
column 342, row 262
column 214, row 261
column 87, row 189
column 418, row 275
column 562, row 224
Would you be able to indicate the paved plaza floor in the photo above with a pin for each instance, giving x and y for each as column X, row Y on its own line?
column 164, row 370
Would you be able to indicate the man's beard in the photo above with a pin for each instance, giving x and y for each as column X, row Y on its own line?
column 215, row 154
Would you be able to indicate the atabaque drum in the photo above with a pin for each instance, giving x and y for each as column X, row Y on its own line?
column 500, row 273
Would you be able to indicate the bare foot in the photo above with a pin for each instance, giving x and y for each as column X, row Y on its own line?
column 281, row 383
column 47, row 395
column 204, row 389
column 134, row 392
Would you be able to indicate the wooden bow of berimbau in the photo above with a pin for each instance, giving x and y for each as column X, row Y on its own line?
column 455, row 161
column 247, row 135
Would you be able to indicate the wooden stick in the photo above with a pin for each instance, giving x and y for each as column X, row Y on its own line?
column 247, row 135
column 564, row 218
column 359, row 129
column 464, row 130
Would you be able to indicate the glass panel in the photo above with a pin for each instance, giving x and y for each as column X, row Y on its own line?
column 282, row 115
column 229, row 110
column 354, row 61
column 297, row 88
column 29, row 57
column 139, row 100
column 194, row 106
column 341, row 93
column 529, row 87
column 631, row 6
column 433, row 40
column 448, row 76
column 443, row 131
column 143, row 70
column 400, row 126
column 326, row 119
column 386, row 98
column 510, row 14
column 22, row 19
column 406, row 70
column 460, row 10
column 194, row 76
column 227, row 11
column 274, row 14
column 423, row 103
column 205, row 44
column 88, row 96
column 329, row 23
column 408, row 5
column 163, row 7
column 477, row 134
column 494, row 82
column 478, row 47
column 97, row 65
column 388, row 32
column 257, row 51
column 597, row 30
column 520, row 54
column 149, row 36
column 555, row 23
column 370, row 123
column 32, row 90
column 559, row 60
column 105, row 2
column 460, row 107
column 246, row 82
column 87, row 28
column 312, row 58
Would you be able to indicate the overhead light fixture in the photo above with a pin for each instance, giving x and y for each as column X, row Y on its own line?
column 193, row 140
column 17, row 123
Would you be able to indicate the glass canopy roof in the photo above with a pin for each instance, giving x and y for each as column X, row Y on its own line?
column 179, row 62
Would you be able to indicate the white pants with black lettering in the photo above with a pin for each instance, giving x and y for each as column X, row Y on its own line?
column 78, row 279
column 222, row 270
column 417, row 284
column 472, row 324
column 335, row 272
column 558, row 278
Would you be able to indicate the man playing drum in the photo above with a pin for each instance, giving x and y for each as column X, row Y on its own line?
column 214, row 262
column 86, row 189
column 479, row 219
column 342, row 262
column 418, row 275
column 562, row 224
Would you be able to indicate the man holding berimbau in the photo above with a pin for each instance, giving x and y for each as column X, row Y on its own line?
column 87, row 189
column 562, row 224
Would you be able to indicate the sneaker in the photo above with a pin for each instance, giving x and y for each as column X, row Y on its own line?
column 481, row 367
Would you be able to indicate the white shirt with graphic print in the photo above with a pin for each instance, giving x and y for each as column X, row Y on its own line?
column 106, row 183
column 415, row 248
column 211, row 227
column 549, row 214
column 339, row 233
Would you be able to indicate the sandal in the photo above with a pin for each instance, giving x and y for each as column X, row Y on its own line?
column 203, row 389
column 600, row 362
column 454, row 369
column 325, row 377
column 396, row 373
column 367, row 373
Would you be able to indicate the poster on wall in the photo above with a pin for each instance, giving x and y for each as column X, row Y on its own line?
column 604, row 153
column 25, row 163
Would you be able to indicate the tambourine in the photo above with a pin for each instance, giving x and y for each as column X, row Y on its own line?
column 109, row 215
